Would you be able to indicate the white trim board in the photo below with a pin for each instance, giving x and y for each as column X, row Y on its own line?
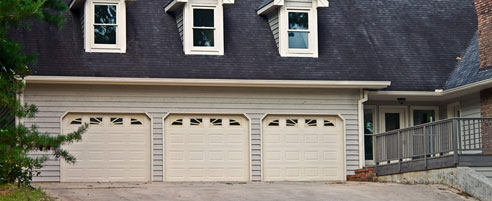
column 437, row 95
column 206, row 82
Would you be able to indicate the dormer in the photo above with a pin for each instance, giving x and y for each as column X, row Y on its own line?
column 200, row 24
column 294, row 25
column 103, row 24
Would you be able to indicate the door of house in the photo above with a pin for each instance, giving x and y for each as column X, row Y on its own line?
column 392, row 119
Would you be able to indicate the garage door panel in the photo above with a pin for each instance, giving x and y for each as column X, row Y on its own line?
column 302, row 148
column 206, row 148
column 112, row 149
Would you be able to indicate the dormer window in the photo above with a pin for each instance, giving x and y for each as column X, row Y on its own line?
column 104, row 25
column 294, row 26
column 200, row 25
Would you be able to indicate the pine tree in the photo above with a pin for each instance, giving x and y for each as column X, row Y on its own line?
column 16, row 141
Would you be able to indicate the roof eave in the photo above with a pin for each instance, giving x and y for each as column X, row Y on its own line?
column 174, row 5
column 207, row 82
column 267, row 8
column 77, row 4
column 437, row 95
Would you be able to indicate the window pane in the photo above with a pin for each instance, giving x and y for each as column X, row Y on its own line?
column 368, row 122
column 104, row 34
column 368, row 129
column 203, row 17
column 105, row 14
column 392, row 121
column 368, row 147
column 298, row 21
column 298, row 40
column 203, row 37
column 423, row 116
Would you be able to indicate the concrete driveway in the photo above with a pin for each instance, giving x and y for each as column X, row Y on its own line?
column 282, row 191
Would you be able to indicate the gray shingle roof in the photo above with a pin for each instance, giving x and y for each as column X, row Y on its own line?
column 467, row 71
column 412, row 43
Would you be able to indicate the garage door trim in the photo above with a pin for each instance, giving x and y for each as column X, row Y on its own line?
column 305, row 114
column 250, row 166
column 151, row 142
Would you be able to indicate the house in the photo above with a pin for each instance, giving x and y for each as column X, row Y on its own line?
column 250, row 90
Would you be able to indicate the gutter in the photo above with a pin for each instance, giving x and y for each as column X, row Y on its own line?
column 206, row 82
column 440, row 94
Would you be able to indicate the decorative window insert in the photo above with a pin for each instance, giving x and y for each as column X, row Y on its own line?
column 116, row 121
column 96, row 120
column 105, row 26
column 233, row 122
column 274, row 122
column 216, row 122
column 177, row 122
column 291, row 122
column 310, row 122
column 328, row 123
column 196, row 121
column 76, row 121
column 135, row 122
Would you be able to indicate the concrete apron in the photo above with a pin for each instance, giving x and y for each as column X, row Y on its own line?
column 284, row 191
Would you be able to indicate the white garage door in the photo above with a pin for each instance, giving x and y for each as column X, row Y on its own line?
column 115, row 148
column 206, row 148
column 302, row 148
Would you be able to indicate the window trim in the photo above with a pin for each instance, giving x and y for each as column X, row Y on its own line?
column 90, row 45
column 312, row 50
column 188, row 23
column 450, row 109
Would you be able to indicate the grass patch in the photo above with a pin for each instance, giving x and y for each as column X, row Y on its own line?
column 10, row 192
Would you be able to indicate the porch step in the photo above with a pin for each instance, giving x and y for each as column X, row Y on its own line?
column 364, row 175
column 485, row 171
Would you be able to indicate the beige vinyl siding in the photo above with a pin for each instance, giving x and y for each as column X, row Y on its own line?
column 470, row 106
column 299, row 3
column 157, row 143
column 273, row 22
column 179, row 22
column 82, row 20
column 54, row 100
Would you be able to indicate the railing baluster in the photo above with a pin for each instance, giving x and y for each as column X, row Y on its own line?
column 398, row 147
column 425, row 147
column 454, row 137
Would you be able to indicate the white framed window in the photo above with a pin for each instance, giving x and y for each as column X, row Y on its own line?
column 105, row 26
column 423, row 114
column 203, row 32
column 298, row 32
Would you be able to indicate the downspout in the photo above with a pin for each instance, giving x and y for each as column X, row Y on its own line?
column 363, row 98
